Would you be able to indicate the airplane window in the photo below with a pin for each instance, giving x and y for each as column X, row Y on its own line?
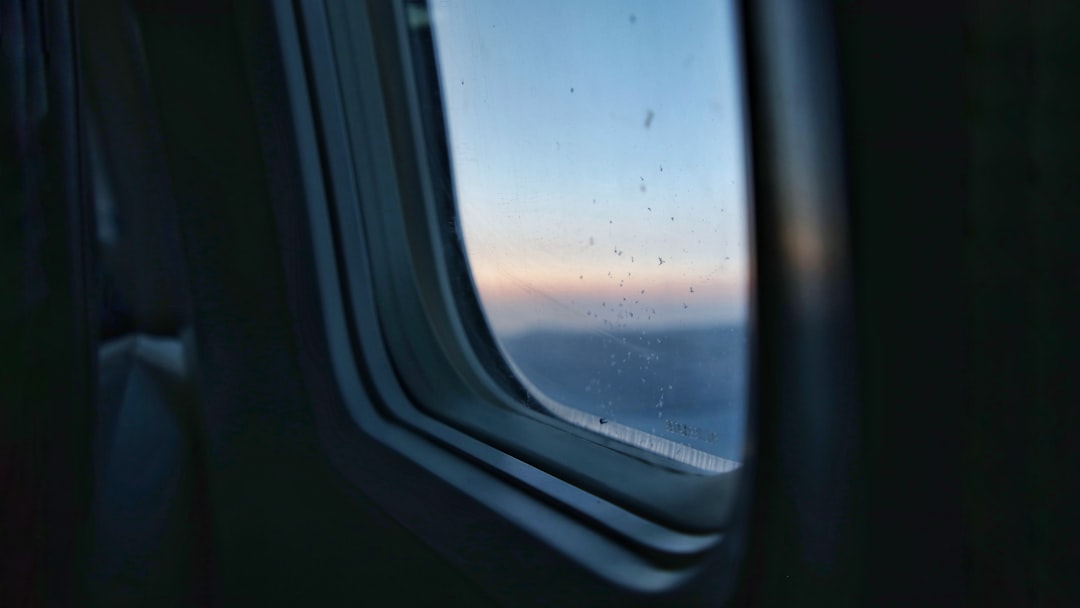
column 598, row 161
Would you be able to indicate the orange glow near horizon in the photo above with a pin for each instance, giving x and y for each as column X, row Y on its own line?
column 516, row 302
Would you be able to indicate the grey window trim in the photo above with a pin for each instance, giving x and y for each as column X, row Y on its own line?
column 619, row 544
column 419, row 312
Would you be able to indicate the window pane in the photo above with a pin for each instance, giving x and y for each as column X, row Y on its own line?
column 598, row 159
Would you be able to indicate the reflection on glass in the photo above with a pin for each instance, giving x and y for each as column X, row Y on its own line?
column 598, row 158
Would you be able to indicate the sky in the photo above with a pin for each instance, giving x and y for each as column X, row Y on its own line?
column 598, row 158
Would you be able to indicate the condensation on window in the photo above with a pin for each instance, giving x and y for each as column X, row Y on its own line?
column 598, row 156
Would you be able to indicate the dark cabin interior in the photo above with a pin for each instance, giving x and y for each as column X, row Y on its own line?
column 162, row 433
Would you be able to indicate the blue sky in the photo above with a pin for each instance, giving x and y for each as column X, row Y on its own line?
column 598, row 157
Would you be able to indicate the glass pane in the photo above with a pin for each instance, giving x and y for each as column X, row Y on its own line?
column 598, row 159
